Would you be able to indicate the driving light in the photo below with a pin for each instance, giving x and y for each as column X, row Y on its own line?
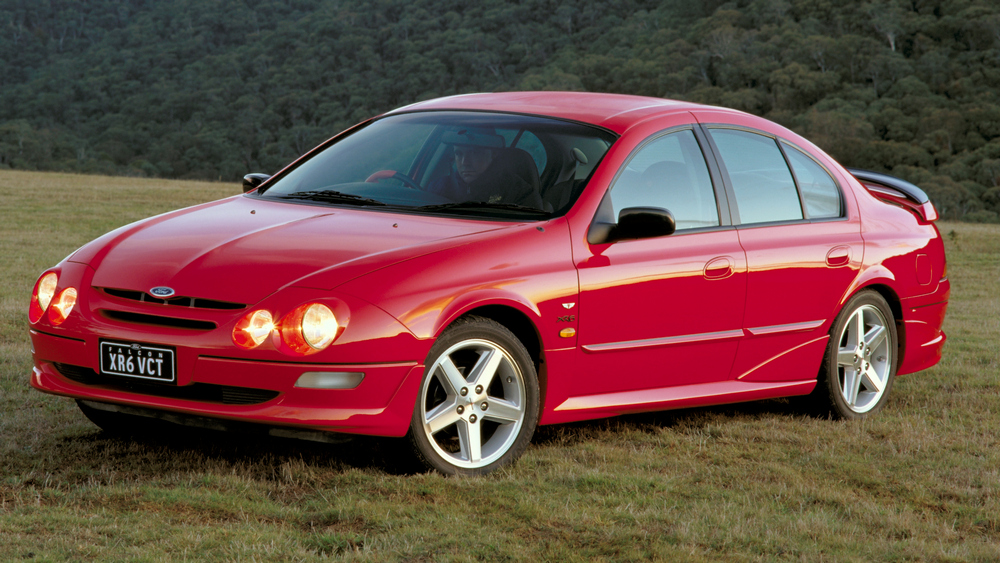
column 309, row 328
column 45, row 290
column 253, row 329
column 62, row 306
column 330, row 379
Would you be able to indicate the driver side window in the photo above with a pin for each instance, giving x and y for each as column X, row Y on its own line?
column 670, row 172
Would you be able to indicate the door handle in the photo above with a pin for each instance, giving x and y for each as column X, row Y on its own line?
column 838, row 256
column 719, row 268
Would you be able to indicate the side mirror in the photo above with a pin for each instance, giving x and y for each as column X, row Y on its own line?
column 252, row 181
column 633, row 222
column 644, row 222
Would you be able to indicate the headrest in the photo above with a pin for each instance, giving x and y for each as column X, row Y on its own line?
column 474, row 137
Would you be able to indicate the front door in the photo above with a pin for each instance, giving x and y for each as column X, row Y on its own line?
column 667, row 311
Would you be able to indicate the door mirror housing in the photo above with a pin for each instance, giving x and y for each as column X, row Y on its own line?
column 644, row 222
column 634, row 223
column 253, row 181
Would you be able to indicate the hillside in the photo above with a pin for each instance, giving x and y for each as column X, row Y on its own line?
column 217, row 88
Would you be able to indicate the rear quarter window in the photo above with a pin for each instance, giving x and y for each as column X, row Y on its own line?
column 820, row 193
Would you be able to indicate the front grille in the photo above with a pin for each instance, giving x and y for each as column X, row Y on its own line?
column 203, row 392
column 193, row 302
column 157, row 320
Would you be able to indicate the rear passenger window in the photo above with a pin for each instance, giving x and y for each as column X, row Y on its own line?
column 670, row 173
column 765, row 190
column 819, row 192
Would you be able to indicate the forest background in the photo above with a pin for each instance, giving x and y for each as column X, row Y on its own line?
column 214, row 89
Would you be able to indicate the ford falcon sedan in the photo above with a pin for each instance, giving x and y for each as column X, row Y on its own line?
column 462, row 270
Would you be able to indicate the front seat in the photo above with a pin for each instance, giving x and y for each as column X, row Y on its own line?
column 516, row 164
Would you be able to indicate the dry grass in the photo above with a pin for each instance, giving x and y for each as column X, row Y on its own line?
column 755, row 482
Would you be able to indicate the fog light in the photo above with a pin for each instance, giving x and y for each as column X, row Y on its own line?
column 330, row 379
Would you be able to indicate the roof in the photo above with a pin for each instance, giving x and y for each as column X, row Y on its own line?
column 616, row 112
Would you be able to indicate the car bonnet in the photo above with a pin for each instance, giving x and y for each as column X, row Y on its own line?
column 243, row 249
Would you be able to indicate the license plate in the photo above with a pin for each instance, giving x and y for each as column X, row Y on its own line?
column 142, row 361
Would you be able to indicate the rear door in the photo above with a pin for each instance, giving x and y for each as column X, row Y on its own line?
column 803, row 251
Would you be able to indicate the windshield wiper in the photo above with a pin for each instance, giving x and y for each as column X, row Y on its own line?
column 330, row 196
column 460, row 205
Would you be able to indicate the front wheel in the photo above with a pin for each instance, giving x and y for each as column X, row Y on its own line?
column 861, row 358
column 478, row 403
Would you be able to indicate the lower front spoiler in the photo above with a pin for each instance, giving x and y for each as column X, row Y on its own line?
column 219, row 424
column 300, row 411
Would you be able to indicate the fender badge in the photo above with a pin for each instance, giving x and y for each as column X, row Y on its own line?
column 568, row 305
column 161, row 291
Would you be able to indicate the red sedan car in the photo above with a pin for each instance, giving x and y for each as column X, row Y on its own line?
column 461, row 270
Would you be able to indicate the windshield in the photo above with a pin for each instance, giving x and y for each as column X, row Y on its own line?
column 470, row 163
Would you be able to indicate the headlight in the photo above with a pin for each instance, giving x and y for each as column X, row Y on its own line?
column 62, row 306
column 319, row 326
column 253, row 329
column 45, row 290
column 309, row 328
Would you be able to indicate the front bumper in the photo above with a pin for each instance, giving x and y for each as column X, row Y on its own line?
column 235, row 389
column 215, row 379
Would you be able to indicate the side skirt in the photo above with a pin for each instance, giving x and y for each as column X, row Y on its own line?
column 666, row 398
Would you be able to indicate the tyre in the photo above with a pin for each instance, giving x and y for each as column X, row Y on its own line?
column 861, row 359
column 478, row 402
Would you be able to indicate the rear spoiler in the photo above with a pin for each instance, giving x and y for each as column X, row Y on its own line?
column 895, row 190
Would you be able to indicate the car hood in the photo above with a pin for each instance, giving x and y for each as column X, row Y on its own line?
column 243, row 249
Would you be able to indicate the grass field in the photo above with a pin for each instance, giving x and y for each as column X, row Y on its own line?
column 754, row 482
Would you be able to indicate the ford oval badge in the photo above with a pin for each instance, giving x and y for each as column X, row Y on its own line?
column 161, row 291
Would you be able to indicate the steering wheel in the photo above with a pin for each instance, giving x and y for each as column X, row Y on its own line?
column 392, row 174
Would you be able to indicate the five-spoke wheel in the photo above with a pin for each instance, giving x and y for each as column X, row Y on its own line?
column 861, row 358
column 478, row 401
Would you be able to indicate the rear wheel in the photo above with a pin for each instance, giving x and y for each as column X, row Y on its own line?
column 861, row 359
column 478, row 403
